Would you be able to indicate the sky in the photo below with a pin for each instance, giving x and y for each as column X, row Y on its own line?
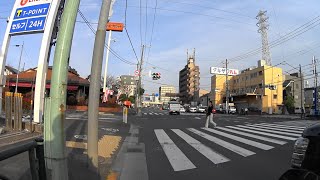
column 218, row 30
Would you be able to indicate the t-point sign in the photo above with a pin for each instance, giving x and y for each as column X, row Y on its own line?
column 30, row 16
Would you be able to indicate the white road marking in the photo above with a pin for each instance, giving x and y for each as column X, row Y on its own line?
column 176, row 157
column 276, row 128
column 263, row 133
column 197, row 118
column 145, row 113
column 243, row 140
column 150, row 113
column 155, row 113
column 275, row 141
column 231, row 147
column 213, row 156
column 271, row 131
column 286, row 126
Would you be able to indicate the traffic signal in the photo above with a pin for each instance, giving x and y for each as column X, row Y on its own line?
column 156, row 76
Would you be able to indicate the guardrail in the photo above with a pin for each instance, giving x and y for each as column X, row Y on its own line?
column 35, row 149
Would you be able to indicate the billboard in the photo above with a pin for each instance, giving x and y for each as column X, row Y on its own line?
column 223, row 71
column 29, row 16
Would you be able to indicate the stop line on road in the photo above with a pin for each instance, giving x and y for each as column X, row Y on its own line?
column 261, row 137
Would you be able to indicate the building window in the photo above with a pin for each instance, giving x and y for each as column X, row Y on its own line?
column 297, row 86
column 260, row 73
column 275, row 96
column 247, row 77
column 234, row 81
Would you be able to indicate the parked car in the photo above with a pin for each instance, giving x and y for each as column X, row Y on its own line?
column 202, row 109
column 182, row 109
column 193, row 109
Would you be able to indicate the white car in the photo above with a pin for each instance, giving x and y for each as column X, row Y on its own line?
column 202, row 109
column 182, row 109
column 193, row 109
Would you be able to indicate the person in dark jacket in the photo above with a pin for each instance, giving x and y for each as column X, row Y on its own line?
column 210, row 116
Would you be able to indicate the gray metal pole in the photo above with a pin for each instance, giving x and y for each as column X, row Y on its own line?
column 227, row 89
column 94, row 92
column 140, row 79
column 302, row 92
column 58, row 93
column 17, row 77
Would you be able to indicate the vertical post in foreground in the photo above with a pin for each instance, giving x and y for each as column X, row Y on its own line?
column 54, row 132
column 227, row 88
column 94, row 91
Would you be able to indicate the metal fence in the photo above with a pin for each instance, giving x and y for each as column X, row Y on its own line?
column 35, row 150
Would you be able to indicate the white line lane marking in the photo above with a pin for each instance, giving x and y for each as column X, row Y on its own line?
column 197, row 118
column 150, row 113
column 271, row 131
column 280, row 125
column 177, row 159
column 155, row 113
column 213, row 156
column 275, row 141
column 263, row 133
column 276, row 128
column 145, row 113
column 239, row 150
column 243, row 140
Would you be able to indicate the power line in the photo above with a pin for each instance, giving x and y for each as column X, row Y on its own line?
column 296, row 32
column 152, row 30
column 111, row 50
column 216, row 9
column 125, row 27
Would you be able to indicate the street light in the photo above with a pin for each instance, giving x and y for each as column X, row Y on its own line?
column 17, row 77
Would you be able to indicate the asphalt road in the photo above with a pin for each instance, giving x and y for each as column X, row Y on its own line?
column 240, row 148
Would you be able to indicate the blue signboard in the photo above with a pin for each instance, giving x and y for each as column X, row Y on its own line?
column 157, row 94
column 32, row 11
column 28, row 25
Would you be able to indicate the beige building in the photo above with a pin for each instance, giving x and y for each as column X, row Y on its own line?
column 189, row 81
column 163, row 91
column 258, row 88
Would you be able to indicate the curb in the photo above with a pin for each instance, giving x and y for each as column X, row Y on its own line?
column 130, row 163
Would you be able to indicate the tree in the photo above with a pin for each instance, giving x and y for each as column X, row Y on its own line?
column 132, row 99
column 123, row 97
column 289, row 103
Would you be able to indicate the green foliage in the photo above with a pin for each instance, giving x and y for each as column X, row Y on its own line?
column 289, row 103
column 132, row 99
column 123, row 97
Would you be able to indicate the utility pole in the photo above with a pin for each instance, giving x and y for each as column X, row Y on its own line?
column 302, row 92
column 54, row 126
column 227, row 88
column 94, row 91
column 17, row 77
column 262, row 94
column 315, row 85
column 139, row 83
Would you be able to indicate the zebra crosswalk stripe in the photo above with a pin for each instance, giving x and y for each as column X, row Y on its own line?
column 285, row 126
column 271, row 131
column 213, row 156
column 239, row 150
column 243, row 140
column 275, row 141
column 176, row 157
column 264, row 133
column 155, row 113
column 276, row 128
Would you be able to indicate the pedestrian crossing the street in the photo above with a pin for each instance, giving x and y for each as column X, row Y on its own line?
column 221, row 144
